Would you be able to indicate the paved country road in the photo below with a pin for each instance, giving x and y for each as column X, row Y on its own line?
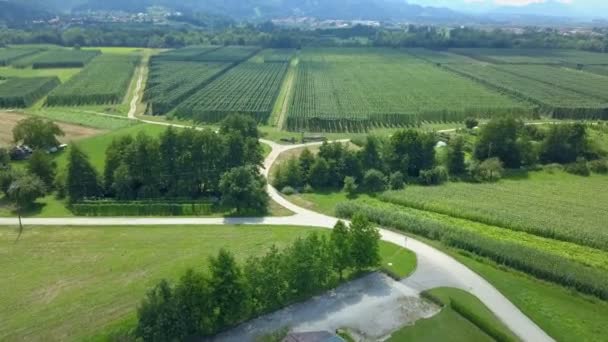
column 434, row 269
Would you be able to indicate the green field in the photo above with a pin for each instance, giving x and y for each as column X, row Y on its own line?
column 249, row 88
column 24, row 92
column 556, row 205
column 558, row 101
column 9, row 55
column 103, row 81
column 534, row 56
column 81, row 116
column 73, row 283
column 450, row 325
column 171, row 82
column 347, row 89
column 58, row 58
column 63, row 74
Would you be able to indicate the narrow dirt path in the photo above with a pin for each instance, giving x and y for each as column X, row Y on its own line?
column 135, row 99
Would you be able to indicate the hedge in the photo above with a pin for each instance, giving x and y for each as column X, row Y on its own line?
column 142, row 209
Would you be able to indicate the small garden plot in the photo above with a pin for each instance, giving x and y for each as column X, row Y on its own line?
column 24, row 92
column 103, row 81
column 60, row 58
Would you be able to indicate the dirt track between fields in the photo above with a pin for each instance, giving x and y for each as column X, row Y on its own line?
column 9, row 120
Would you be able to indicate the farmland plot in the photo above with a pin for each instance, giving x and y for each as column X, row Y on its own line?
column 357, row 89
column 566, row 78
column 169, row 83
column 558, row 101
column 190, row 53
column 439, row 57
column 59, row 58
column 232, row 54
column 249, row 88
column 276, row 55
column 24, row 92
column 9, row 55
column 534, row 56
column 103, row 81
column 559, row 205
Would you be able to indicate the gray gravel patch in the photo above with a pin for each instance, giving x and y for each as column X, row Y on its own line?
column 372, row 307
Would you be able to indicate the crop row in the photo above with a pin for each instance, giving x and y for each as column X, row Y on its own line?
column 23, row 92
column 388, row 91
column 104, row 81
column 560, row 102
column 575, row 213
column 247, row 88
column 170, row 83
column 233, row 54
column 534, row 261
column 534, row 56
column 9, row 55
column 59, row 58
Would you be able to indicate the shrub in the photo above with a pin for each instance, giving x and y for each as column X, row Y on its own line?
column 599, row 166
column 579, row 168
column 374, row 181
column 397, row 181
column 350, row 186
column 288, row 191
column 308, row 189
column 490, row 170
column 552, row 168
column 471, row 123
column 434, row 176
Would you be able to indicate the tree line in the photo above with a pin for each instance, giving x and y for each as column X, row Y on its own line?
column 204, row 304
column 410, row 156
column 210, row 31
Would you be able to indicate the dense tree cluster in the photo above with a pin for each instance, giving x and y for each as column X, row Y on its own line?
column 37, row 133
column 205, row 304
column 187, row 164
column 379, row 163
column 509, row 142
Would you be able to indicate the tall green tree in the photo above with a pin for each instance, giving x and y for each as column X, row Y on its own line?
column 319, row 174
column 115, row 155
column 370, row 155
column 37, row 133
column 157, row 315
column 499, row 139
column 43, row 166
column 23, row 192
column 231, row 301
column 365, row 243
column 244, row 189
column 267, row 282
column 82, row 180
column 412, row 151
column 564, row 144
column 341, row 248
column 456, row 156
column 5, row 158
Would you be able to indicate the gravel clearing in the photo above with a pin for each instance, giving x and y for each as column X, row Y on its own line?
column 371, row 307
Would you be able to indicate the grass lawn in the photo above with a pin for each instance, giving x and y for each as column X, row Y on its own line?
column 323, row 202
column 398, row 261
column 562, row 313
column 73, row 283
column 445, row 326
column 449, row 325
column 75, row 115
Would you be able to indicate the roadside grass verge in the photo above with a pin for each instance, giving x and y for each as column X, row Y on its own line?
column 463, row 318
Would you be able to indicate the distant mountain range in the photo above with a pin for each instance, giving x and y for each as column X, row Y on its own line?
column 456, row 11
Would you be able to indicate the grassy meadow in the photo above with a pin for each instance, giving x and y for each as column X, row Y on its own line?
column 71, row 283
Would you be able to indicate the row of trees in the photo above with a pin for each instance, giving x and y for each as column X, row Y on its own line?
column 205, row 304
column 407, row 154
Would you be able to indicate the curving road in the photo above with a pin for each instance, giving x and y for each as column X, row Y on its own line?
column 435, row 268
